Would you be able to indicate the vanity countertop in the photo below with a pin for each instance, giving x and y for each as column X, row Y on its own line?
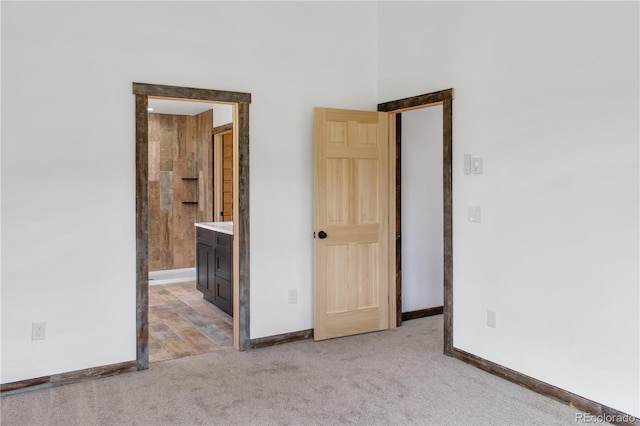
column 224, row 227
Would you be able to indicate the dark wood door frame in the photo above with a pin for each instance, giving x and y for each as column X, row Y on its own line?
column 241, row 100
column 445, row 98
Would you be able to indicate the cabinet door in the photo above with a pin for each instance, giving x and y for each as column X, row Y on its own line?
column 211, row 275
column 224, row 295
column 202, row 266
column 223, row 262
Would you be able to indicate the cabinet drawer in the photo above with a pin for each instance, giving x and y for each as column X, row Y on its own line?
column 223, row 240
column 206, row 236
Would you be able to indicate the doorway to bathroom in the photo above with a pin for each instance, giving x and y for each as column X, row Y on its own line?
column 192, row 189
column 184, row 177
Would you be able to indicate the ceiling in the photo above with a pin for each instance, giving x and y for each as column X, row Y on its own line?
column 222, row 113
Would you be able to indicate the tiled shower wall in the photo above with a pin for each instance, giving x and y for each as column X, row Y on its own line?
column 180, row 186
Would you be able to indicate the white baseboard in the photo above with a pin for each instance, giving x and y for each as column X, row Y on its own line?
column 172, row 276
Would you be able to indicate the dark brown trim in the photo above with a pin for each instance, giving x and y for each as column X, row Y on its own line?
column 222, row 129
column 416, row 101
column 422, row 313
column 398, row 220
column 142, row 92
column 142, row 232
column 447, row 184
column 159, row 90
column 25, row 385
column 244, row 224
column 396, row 107
column 281, row 338
column 545, row 389
column 67, row 378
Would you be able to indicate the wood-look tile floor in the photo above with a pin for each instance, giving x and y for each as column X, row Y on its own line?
column 182, row 323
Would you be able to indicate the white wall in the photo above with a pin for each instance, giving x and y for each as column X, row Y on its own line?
column 422, row 228
column 547, row 93
column 222, row 114
column 68, row 157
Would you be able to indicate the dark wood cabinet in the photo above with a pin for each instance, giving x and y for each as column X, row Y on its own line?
column 214, row 273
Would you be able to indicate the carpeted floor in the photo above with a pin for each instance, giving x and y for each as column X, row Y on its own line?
column 395, row 377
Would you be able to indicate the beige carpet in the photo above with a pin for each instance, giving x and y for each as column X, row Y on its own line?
column 396, row 377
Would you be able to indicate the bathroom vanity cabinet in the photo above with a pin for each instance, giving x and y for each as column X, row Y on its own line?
column 214, row 266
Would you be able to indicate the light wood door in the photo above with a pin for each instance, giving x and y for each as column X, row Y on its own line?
column 227, row 177
column 223, row 176
column 351, row 169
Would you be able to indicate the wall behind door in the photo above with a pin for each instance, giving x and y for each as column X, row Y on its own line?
column 179, row 174
column 422, row 228
column 547, row 94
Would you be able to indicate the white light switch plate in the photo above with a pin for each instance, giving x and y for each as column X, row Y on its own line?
column 477, row 166
column 293, row 295
column 491, row 318
column 467, row 164
column 474, row 214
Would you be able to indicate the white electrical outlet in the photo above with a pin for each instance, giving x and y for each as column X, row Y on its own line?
column 491, row 318
column 475, row 214
column 38, row 330
column 293, row 295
